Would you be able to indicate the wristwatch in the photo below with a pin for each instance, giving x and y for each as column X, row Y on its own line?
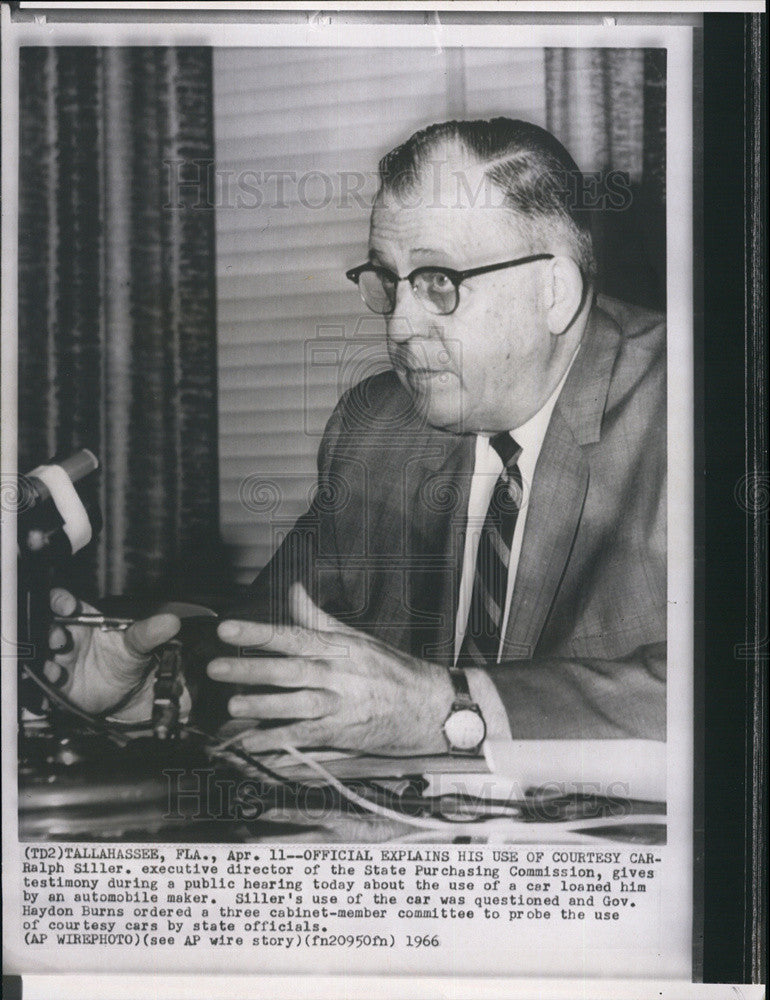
column 464, row 727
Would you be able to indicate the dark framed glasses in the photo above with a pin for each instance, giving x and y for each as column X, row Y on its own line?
column 436, row 288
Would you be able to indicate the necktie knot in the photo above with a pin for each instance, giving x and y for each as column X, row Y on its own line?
column 508, row 449
column 510, row 493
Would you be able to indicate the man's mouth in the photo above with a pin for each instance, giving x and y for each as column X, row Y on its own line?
column 418, row 367
column 419, row 371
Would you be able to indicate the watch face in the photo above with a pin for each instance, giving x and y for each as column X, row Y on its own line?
column 465, row 729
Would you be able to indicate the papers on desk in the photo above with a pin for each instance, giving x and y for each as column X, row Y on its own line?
column 626, row 769
column 527, row 791
column 357, row 767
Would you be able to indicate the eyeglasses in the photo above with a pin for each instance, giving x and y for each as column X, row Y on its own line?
column 436, row 288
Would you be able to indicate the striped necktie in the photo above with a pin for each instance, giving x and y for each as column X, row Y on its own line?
column 490, row 584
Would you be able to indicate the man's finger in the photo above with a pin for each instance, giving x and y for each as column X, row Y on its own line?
column 278, row 671
column 143, row 636
column 306, row 612
column 310, row 703
column 54, row 672
column 60, row 640
column 293, row 640
column 63, row 602
column 62, row 647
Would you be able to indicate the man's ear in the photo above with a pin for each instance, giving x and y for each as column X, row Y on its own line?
column 564, row 294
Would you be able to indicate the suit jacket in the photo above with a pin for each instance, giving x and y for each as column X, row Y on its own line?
column 381, row 546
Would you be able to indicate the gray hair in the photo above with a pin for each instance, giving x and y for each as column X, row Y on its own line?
column 538, row 179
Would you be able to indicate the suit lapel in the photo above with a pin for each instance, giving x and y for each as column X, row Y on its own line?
column 439, row 504
column 560, row 484
column 554, row 511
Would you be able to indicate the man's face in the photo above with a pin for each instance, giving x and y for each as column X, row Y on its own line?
column 488, row 365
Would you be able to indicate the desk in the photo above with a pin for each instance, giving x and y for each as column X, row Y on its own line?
column 79, row 787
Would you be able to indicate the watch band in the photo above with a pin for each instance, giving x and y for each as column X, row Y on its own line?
column 459, row 681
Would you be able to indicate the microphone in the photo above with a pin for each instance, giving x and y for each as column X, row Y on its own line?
column 53, row 523
column 50, row 510
column 77, row 467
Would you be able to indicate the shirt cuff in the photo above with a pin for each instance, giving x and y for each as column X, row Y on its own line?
column 486, row 696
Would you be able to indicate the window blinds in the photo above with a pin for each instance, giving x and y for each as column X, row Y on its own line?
column 298, row 134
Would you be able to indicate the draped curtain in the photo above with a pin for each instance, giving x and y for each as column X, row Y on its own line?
column 608, row 107
column 117, row 302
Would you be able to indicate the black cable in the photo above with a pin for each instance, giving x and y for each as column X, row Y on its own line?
column 243, row 754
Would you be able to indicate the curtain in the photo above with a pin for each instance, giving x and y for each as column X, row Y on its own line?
column 117, row 347
column 608, row 107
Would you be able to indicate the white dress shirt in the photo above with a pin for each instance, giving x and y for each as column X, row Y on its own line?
column 486, row 471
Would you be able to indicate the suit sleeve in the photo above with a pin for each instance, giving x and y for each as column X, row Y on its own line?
column 307, row 554
column 586, row 698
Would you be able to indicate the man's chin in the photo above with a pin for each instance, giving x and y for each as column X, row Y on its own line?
column 437, row 398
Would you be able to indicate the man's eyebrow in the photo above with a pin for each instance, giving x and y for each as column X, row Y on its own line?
column 440, row 256
column 443, row 255
column 375, row 257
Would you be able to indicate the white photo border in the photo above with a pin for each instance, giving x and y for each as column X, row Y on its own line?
column 679, row 185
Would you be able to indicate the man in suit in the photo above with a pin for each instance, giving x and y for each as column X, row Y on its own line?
column 486, row 554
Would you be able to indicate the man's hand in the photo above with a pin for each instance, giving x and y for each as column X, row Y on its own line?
column 97, row 670
column 344, row 688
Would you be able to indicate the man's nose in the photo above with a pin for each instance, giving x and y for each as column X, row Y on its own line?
column 399, row 329
column 408, row 319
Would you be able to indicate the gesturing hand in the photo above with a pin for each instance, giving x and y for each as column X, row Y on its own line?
column 96, row 669
column 343, row 688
